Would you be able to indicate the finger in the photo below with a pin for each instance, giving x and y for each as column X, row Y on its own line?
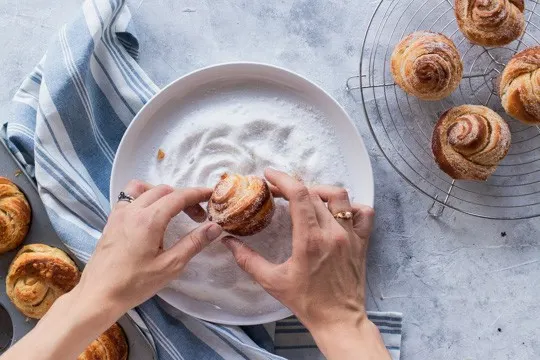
column 172, row 204
column 301, row 209
column 135, row 188
column 249, row 260
column 196, row 213
column 363, row 218
column 337, row 199
column 190, row 245
column 153, row 195
column 324, row 218
column 275, row 191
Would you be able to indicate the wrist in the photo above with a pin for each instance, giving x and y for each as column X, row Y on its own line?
column 89, row 304
column 355, row 338
column 352, row 322
column 70, row 325
column 320, row 319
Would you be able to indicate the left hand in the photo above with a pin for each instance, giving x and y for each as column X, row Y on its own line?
column 129, row 264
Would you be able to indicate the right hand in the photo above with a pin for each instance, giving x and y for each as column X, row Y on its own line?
column 323, row 282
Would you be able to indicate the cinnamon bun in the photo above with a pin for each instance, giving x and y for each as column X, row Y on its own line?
column 38, row 276
column 242, row 205
column 469, row 141
column 111, row 345
column 427, row 65
column 520, row 86
column 15, row 216
column 491, row 22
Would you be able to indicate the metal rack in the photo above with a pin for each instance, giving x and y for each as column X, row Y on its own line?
column 402, row 125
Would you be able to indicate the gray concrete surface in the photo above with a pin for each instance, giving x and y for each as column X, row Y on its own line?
column 466, row 291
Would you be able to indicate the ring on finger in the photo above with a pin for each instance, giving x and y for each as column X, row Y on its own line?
column 125, row 197
column 343, row 215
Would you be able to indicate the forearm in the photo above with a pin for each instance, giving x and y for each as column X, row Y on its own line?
column 71, row 324
column 359, row 340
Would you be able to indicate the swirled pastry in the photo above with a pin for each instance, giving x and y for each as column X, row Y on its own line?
column 111, row 345
column 242, row 205
column 38, row 276
column 469, row 141
column 490, row 22
column 427, row 65
column 15, row 216
column 520, row 86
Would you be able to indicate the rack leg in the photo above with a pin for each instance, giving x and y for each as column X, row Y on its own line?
column 348, row 86
column 437, row 209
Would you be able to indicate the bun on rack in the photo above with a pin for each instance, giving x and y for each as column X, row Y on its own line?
column 519, row 86
column 469, row 141
column 491, row 22
column 242, row 205
column 427, row 65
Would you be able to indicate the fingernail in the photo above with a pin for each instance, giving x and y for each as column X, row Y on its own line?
column 229, row 241
column 213, row 232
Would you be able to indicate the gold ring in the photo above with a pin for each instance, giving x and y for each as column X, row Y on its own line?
column 345, row 215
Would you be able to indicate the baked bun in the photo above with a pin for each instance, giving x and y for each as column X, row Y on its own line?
column 520, row 86
column 111, row 345
column 38, row 276
column 491, row 22
column 469, row 141
column 15, row 214
column 242, row 205
column 427, row 65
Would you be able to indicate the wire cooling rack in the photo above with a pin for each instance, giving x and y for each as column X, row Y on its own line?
column 402, row 125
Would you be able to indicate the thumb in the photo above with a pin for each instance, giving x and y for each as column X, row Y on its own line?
column 249, row 260
column 190, row 245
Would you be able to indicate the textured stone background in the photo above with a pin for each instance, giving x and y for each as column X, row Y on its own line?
column 456, row 279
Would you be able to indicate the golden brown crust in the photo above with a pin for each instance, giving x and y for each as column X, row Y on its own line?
column 38, row 276
column 15, row 214
column 520, row 86
column 111, row 345
column 491, row 22
column 242, row 205
column 469, row 141
column 427, row 65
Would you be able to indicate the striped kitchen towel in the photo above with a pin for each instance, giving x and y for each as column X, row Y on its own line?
column 70, row 114
column 293, row 341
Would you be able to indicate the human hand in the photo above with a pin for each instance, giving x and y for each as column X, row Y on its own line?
column 129, row 264
column 324, row 279
column 323, row 282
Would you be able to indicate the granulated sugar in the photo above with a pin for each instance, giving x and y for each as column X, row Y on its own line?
column 244, row 131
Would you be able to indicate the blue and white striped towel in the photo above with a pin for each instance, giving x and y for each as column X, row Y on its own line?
column 70, row 114
column 293, row 341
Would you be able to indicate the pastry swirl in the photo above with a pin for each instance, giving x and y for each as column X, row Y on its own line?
column 469, row 141
column 38, row 276
column 242, row 205
column 491, row 22
column 427, row 65
column 520, row 86
column 15, row 216
column 111, row 345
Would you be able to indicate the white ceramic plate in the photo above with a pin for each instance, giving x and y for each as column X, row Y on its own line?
column 164, row 111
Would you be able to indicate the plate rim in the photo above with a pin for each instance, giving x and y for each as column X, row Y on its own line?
column 284, row 312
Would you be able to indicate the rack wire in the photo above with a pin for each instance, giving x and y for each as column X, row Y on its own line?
column 402, row 125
